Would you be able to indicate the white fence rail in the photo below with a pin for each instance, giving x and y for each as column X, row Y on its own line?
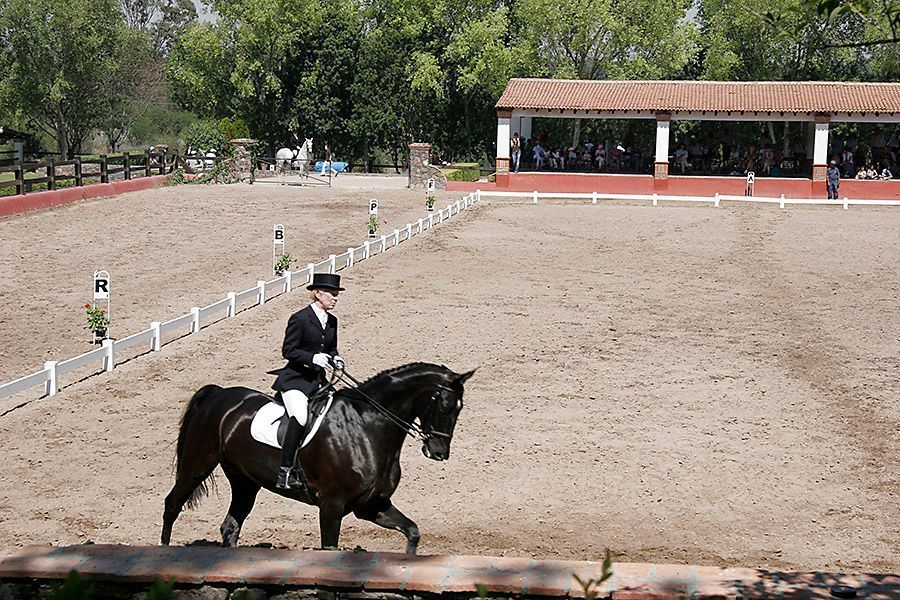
column 193, row 321
column 715, row 200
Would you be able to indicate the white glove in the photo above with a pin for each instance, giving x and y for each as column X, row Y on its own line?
column 338, row 363
column 320, row 360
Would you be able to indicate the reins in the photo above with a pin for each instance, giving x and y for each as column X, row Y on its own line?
column 411, row 429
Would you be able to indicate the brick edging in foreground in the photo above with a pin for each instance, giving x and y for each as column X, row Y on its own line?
column 11, row 205
column 403, row 574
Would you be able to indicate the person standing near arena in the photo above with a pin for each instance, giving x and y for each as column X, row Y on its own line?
column 310, row 343
column 834, row 180
column 516, row 145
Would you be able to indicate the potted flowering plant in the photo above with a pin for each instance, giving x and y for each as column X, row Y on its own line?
column 429, row 203
column 283, row 264
column 373, row 225
column 97, row 321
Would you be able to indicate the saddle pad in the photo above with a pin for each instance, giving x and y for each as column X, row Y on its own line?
column 264, row 427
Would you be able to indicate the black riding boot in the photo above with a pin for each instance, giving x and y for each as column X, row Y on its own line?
column 290, row 474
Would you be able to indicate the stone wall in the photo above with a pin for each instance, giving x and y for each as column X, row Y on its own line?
column 421, row 169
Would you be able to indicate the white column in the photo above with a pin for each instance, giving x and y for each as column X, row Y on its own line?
column 662, row 141
column 820, row 149
column 503, row 136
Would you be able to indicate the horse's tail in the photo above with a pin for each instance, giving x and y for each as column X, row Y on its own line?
column 193, row 407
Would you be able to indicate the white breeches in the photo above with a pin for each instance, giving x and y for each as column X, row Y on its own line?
column 295, row 403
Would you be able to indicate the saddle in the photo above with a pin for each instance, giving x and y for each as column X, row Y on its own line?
column 270, row 423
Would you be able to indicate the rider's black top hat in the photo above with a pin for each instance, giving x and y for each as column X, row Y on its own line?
column 326, row 281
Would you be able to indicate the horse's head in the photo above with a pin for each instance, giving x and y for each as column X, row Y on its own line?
column 439, row 417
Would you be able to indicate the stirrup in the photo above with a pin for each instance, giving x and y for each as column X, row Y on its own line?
column 290, row 478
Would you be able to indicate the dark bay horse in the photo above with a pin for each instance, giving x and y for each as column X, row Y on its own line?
column 352, row 465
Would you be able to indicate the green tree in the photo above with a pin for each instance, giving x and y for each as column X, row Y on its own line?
column 739, row 45
column 281, row 66
column 163, row 21
column 57, row 59
column 608, row 39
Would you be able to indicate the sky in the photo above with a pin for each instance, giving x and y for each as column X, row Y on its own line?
column 203, row 12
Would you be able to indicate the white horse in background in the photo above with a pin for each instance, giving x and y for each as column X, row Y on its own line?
column 287, row 160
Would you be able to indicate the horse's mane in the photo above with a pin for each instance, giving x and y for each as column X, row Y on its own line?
column 383, row 378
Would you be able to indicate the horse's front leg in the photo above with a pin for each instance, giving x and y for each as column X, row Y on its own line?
column 330, row 525
column 391, row 518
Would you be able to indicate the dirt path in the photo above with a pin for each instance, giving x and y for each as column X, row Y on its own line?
column 680, row 384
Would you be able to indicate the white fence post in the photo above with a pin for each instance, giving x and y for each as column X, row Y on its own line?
column 477, row 195
column 535, row 196
column 430, row 221
column 781, row 202
column 260, row 292
column 310, row 267
column 458, row 202
column 288, row 281
column 716, row 203
column 593, row 197
column 846, row 204
column 396, row 237
column 109, row 360
column 367, row 250
column 156, row 340
column 195, row 319
column 232, row 305
column 349, row 257
column 383, row 243
column 421, row 221
column 52, row 384
column 655, row 200
column 408, row 230
column 331, row 265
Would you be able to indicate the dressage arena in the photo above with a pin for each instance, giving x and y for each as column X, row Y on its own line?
column 681, row 384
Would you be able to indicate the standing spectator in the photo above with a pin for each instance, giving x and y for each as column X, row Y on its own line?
column 847, row 162
column 326, row 164
column 515, row 145
column 681, row 158
column 834, row 180
column 600, row 155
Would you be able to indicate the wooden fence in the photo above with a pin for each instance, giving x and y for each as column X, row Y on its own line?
column 83, row 171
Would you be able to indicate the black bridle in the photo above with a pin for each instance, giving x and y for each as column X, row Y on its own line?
column 411, row 429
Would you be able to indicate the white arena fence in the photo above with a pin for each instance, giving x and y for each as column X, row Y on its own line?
column 715, row 200
column 104, row 357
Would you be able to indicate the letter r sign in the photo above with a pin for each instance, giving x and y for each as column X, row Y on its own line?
column 101, row 285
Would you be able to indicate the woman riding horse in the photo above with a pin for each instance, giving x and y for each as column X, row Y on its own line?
column 310, row 343
column 352, row 464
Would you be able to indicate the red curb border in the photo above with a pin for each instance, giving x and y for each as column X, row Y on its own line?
column 382, row 572
column 13, row 205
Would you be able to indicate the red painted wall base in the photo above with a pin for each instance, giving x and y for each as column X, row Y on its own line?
column 11, row 205
column 680, row 186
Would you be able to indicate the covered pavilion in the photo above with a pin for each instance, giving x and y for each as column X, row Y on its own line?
column 817, row 104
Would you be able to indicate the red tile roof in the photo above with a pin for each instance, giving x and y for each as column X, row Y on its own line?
column 696, row 96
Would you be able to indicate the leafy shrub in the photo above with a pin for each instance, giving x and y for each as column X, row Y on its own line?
column 462, row 174
column 205, row 136
column 233, row 128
